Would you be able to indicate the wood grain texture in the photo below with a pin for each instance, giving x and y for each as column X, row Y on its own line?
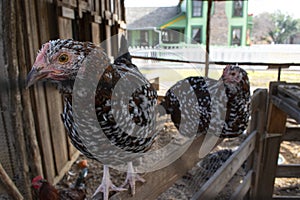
column 158, row 181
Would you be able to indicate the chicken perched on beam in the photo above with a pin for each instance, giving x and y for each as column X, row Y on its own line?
column 60, row 61
column 236, row 103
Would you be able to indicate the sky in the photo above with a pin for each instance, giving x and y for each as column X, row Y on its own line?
column 290, row 7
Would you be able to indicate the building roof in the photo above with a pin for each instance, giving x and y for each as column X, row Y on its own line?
column 149, row 17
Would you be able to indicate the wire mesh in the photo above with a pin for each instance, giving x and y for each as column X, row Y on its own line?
column 195, row 178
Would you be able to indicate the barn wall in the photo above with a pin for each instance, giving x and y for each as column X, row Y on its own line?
column 32, row 138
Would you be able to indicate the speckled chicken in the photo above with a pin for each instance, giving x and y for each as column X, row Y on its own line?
column 60, row 61
column 236, row 100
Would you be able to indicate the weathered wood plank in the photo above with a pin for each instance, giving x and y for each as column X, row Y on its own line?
column 291, row 134
column 39, row 106
column 58, row 134
column 288, row 171
column 66, row 167
column 243, row 188
column 218, row 181
column 158, row 181
column 287, row 106
column 64, row 28
column 44, row 136
column 275, row 128
column 291, row 90
column 275, row 197
column 65, row 32
column 276, row 120
column 53, row 98
column 258, row 123
column 25, row 58
column 95, row 33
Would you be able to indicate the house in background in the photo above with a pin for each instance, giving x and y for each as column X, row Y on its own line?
column 230, row 24
column 143, row 24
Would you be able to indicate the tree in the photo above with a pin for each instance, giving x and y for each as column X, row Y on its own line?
column 262, row 24
column 284, row 27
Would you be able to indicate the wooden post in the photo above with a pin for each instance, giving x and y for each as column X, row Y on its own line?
column 258, row 122
column 275, row 128
column 208, row 37
column 108, row 34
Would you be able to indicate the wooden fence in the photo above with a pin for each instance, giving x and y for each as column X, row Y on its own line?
column 159, row 181
column 269, row 112
column 284, row 102
column 33, row 139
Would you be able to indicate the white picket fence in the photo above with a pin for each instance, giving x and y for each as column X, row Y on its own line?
column 254, row 54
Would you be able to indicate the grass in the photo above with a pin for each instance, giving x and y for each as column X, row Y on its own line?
column 262, row 78
column 258, row 78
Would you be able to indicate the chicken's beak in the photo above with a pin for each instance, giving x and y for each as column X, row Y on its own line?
column 34, row 75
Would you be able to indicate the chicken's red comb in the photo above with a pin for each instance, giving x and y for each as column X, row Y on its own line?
column 37, row 181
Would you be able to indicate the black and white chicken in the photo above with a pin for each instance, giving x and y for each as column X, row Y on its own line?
column 59, row 62
column 197, row 116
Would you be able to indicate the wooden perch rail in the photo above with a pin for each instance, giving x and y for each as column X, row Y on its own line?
column 159, row 181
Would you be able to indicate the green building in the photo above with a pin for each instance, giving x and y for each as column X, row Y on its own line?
column 230, row 24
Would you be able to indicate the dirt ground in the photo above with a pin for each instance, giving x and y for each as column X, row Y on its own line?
column 185, row 187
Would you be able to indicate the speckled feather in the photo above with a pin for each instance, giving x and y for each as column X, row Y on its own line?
column 238, row 103
column 141, row 103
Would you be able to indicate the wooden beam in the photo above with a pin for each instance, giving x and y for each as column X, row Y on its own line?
column 275, row 197
column 223, row 175
column 285, row 106
column 291, row 134
column 159, row 181
column 288, row 171
column 208, row 37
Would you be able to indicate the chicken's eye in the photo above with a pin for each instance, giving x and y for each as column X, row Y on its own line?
column 233, row 73
column 63, row 58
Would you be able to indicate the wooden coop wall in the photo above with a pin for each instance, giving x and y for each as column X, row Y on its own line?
column 284, row 104
column 33, row 138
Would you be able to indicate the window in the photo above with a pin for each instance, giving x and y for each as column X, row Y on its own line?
column 144, row 38
column 237, row 8
column 197, row 8
column 196, row 35
column 172, row 36
column 236, row 35
column 129, row 36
